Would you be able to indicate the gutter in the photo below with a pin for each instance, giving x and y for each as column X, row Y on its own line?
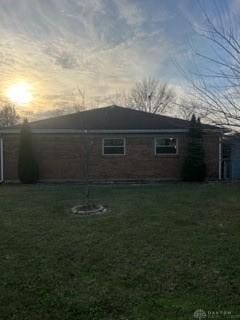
column 72, row 131
column 1, row 161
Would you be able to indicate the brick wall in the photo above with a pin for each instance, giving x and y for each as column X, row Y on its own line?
column 61, row 157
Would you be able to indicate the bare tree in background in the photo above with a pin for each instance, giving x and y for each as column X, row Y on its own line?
column 120, row 98
column 78, row 106
column 188, row 107
column 218, row 76
column 81, row 104
column 151, row 96
column 8, row 115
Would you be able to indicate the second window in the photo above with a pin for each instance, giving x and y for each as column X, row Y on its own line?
column 166, row 145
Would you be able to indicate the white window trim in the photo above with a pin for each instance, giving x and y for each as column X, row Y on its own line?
column 114, row 154
column 165, row 154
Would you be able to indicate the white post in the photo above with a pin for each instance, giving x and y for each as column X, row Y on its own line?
column 220, row 159
column 1, row 161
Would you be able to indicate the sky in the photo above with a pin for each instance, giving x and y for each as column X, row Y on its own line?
column 59, row 48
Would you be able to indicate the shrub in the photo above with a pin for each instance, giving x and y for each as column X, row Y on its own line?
column 194, row 167
column 27, row 165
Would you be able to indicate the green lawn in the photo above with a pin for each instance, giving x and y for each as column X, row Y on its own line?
column 160, row 252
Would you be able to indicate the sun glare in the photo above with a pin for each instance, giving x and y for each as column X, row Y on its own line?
column 20, row 93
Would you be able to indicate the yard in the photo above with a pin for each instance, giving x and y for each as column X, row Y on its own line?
column 160, row 252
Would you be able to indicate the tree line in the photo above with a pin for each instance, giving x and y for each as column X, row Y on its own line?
column 148, row 95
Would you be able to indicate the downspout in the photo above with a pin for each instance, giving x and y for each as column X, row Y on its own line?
column 220, row 158
column 1, row 161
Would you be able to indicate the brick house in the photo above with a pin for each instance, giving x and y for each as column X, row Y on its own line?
column 126, row 145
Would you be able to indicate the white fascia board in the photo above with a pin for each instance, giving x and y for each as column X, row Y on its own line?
column 78, row 131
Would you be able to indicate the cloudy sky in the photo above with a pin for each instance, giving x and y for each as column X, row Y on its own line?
column 98, row 46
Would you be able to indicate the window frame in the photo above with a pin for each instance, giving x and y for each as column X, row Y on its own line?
column 166, row 154
column 114, row 154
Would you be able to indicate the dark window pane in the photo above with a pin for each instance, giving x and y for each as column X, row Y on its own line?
column 113, row 142
column 113, row 150
column 166, row 150
column 166, row 142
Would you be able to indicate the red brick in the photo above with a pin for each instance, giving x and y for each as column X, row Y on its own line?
column 61, row 157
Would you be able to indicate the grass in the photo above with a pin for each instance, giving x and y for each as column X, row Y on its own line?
column 160, row 252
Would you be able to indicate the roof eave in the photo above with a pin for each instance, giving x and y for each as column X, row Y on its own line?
column 123, row 131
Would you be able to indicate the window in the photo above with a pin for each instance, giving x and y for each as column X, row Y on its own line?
column 114, row 146
column 166, row 145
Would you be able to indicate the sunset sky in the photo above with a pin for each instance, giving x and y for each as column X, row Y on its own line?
column 50, row 48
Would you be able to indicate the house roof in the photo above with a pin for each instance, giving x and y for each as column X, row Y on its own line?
column 113, row 118
column 110, row 119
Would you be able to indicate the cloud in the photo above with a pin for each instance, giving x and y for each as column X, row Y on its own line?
column 130, row 12
column 101, row 46
column 66, row 61
column 62, row 58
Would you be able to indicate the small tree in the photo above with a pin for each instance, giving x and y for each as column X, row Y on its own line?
column 87, row 148
column 194, row 167
column 27, row 165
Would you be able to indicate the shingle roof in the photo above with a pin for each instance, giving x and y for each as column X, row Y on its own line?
column 113, row 118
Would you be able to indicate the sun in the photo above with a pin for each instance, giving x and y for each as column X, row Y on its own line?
column 20, row 93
